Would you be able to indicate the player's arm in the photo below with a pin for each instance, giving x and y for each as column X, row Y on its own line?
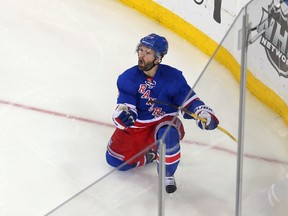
column 206, row 116
column 125, row 113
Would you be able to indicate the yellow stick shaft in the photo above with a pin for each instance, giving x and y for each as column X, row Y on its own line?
column 227, row 133
column 204, row 120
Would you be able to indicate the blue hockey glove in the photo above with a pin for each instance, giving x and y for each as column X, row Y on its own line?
column 206, row 118
column 124, row 117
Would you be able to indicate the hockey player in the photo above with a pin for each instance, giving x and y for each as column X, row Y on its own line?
column 140, row 122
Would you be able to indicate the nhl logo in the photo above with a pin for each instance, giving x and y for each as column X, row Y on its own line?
column 274, row 25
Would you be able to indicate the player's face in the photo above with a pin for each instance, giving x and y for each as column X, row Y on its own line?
column 146, row 57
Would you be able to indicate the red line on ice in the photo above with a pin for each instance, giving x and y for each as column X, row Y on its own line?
column 217, row 148
column 55, row 113
column 26, row 107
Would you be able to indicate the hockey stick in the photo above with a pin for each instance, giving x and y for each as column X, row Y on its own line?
column 194, row 116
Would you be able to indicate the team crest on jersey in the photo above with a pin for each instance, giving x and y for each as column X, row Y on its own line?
column 274, row 39
column 145, row 91
column 150, row 83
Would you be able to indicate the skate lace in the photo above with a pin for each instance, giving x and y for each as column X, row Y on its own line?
column 170, row 180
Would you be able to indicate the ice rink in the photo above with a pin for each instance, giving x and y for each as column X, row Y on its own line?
column 59, row 65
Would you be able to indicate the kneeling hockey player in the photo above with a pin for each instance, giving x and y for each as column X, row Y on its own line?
column 140, row 122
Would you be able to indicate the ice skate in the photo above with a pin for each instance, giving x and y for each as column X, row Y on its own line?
column 151, row 155
column 170, row 184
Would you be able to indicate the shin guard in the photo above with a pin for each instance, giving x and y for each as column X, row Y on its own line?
column 171, row 139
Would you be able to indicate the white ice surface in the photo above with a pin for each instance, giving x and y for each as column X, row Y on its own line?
column 59, row 64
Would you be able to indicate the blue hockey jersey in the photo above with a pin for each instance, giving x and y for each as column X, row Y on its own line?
column 168, row 86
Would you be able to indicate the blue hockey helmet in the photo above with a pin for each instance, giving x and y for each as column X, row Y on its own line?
column 155, row 42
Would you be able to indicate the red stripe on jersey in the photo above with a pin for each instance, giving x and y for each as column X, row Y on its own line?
column 190, row 101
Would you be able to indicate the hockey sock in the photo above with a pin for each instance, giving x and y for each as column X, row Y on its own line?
column 172, row 156
column 115, row 162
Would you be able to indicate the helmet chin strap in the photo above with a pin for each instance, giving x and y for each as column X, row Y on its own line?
column 159, row 61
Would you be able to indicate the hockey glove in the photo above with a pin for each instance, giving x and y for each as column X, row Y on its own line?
column 124, row 117
column 206, row 118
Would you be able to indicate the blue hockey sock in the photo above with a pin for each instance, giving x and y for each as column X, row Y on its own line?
column 171, row 140
column 115, row 162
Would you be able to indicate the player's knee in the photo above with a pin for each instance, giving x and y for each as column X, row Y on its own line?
column 169, row 135
column 115, row 162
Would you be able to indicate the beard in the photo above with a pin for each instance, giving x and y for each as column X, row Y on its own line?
column 145, row 66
